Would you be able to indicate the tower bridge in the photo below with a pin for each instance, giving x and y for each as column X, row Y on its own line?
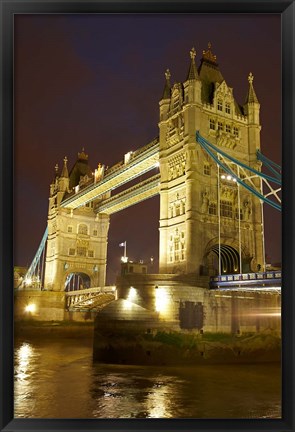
column 206, row 167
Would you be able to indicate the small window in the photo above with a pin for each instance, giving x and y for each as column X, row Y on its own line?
column 219, row 126
column 226, row 209
column 227, row 128
column 236, row 131
column 95, row 232
column 70, row 229
column 212, row 124
column 182, row 251
column 227, row 108
column 219, row 105
column 237, row 214
column 207, row 170
column 91, row 253
column 212, row 209
column 81, row 251
column 72, row 251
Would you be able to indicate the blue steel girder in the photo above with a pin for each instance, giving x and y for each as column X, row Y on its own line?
column 236, row 168
column 36, row 260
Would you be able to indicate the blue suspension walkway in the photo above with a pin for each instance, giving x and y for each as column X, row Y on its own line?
column 235, row 168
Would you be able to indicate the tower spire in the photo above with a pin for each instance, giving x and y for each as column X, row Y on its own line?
column 167, row 88
column 192, row 73
column 65, row 172
column 251, row 96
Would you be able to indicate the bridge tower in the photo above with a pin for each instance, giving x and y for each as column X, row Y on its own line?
column 200, row 207
column 77, row 239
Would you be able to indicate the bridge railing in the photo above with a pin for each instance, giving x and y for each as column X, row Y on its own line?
column 86, row 298
column 246, row 279
column 95, row 290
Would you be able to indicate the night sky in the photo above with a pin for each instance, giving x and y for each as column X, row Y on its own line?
column 95, row 81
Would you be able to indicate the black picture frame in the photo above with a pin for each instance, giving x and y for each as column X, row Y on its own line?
column 8, row 9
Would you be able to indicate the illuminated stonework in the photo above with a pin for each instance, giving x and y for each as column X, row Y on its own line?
column 189, row 190
column 77, row 239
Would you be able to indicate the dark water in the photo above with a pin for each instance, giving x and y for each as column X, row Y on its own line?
column 58, row 380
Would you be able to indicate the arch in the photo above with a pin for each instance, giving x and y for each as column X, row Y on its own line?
column 76, row 281
column 229, row 259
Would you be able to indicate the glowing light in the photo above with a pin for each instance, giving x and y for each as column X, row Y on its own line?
column 161, row 300
column 158, row 400
column 223, row 176
column 30, row 307
column 124, row 259
column 28, row 281
column 23, row 356
column 132, row 294
column 157, row 164
column 228, row 177
column 127, row 157
column 234, row 179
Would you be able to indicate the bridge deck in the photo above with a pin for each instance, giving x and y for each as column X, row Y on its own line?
column 141, row 161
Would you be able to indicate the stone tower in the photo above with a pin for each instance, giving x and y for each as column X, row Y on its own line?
column 199, row 204
column 77, row 239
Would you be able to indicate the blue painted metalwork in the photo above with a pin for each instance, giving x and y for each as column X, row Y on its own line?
column 208, row 147
column 36, row 260
column 272, row 166
column 273, row 278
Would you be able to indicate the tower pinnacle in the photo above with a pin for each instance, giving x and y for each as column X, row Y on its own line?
column 65, row 172
column 251, row 97
column 167, row 88
column 192, row 73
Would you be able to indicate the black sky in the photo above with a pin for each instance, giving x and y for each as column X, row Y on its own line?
column 95, row 80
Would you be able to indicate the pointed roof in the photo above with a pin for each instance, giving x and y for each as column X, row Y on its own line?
column 80, row 168
column 251, row 97
column 167, row 88
column 192, row 73
column 65, row 172
column 209, row 74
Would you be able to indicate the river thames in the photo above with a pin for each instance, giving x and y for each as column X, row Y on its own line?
column 58, row 379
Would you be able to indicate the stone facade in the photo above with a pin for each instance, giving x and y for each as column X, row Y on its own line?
column 77, row 239
column 183, row 304
column 190, row 196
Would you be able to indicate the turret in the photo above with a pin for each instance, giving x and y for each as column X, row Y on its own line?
column 63, row 182
column 252, row 111
column 164, row 109
column 252, row 106
column 165, row 101
column 192, row 85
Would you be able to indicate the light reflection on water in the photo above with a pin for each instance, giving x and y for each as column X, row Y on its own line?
column 57, row 379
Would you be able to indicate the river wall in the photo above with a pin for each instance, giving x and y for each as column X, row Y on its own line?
column 166, row 319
